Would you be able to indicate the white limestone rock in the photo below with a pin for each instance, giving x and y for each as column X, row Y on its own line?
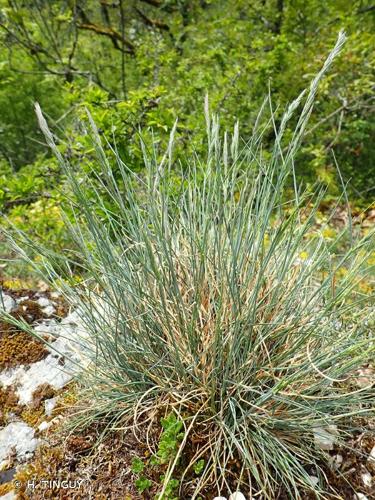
column 360, row 496
column 314, row 481
column 44, row 302
column 367, row 479
column 22, row 299
column 49, row 328
column 27, row 379
column 325, row 437
column 49, row 405
column 7, row 303
column 49, row 310
column 44, row 425
column 64, row 344
column 237, row 496
column 17, row 436
column 72, row 318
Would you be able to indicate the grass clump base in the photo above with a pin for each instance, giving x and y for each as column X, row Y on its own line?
column 197, row 303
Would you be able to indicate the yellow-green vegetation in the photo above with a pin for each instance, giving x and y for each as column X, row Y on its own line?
column 139, row 64
column 46, row 465
column 68, row 399
column 33, row 417
column 17, row 284
column 6, row 488
column 34, row 414
column 16, row 346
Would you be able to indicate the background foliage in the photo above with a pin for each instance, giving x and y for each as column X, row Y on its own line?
column 141, row 63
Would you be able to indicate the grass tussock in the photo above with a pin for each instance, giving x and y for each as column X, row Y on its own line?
column 196, row 300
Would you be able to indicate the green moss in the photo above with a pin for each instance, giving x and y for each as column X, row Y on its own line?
column 33, row 417
column 18, row 347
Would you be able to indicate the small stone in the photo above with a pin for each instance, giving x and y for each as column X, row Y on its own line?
column 365, row 377
column 7, row 303
column 44, row 425
column 325, row 437
column 57, row 419
column 44, row 302
column 337, row 460
column 367, row 479
column 11, row 495
column 42, row 286
column 4, row 464
column 49, row 310
column 237, row 496
column 49, row 405
column 371, row 457
column 22, row 299
column 314, row 480
column 360, row 496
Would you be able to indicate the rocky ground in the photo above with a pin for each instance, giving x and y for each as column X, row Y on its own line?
column 33, row 376
column 37, row 393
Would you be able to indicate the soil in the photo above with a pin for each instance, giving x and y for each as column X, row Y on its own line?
column 106, row 469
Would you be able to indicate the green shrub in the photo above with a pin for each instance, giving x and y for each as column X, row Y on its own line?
column 199, row 303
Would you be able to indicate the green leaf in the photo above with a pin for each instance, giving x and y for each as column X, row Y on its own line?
column 199, row 466
column 142, row 484
column 137, row 465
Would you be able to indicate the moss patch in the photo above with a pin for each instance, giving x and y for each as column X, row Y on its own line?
column 34, row 414
column 46, row 465
column 5, row 488
column 33, row 417
column 18, row 347
column 8, row 404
